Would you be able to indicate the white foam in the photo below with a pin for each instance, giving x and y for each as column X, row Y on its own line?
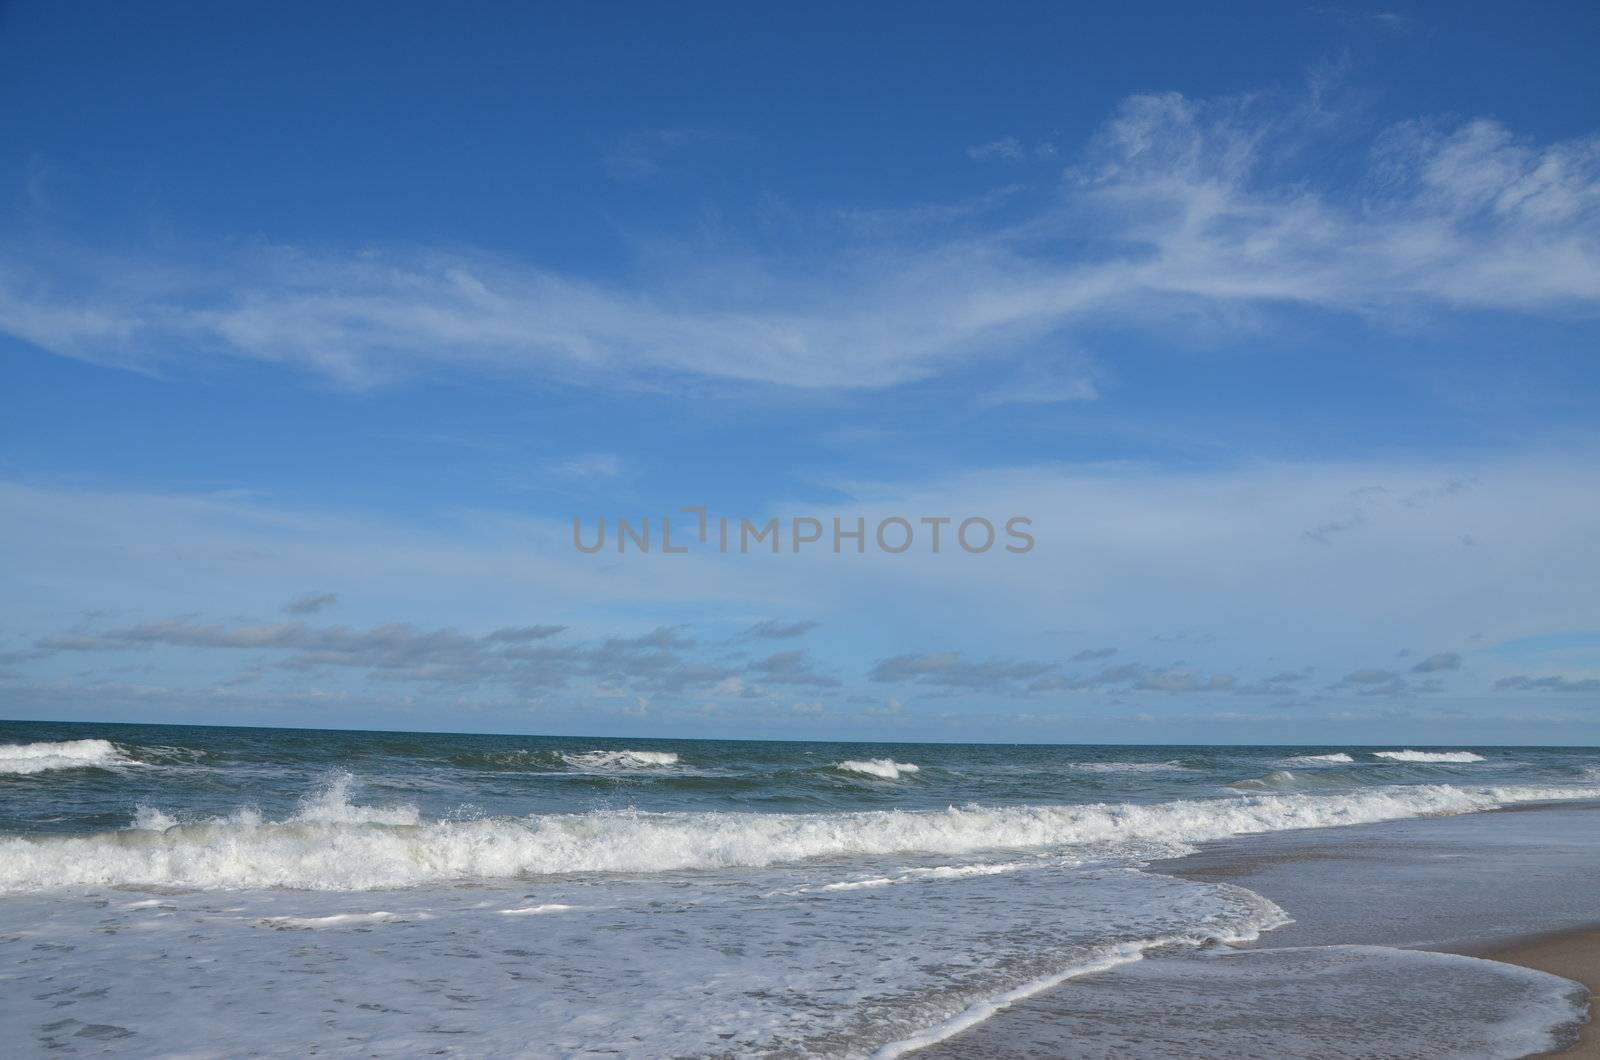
column 882, row 768
column 329, row 844
column 1274, row 779
column 609, row 760
column 1109, row 957
column 935, row 872
column 1339, row 758
column 1428, row 756
column 26, row 758
column 151, row 819
column 336, row 920
column 331, row 806
column 531, row 910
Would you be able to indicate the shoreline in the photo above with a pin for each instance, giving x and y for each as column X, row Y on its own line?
column 1570, row 950
column 1572, row 953
column 1504, row 886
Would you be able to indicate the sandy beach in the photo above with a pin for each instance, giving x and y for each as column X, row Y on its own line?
column 1510, row 887
column 1572, row 955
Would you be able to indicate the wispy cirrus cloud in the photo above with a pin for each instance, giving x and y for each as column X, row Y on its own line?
column 1176, row 207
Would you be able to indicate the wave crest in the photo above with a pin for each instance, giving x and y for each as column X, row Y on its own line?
column 20, row 759
column 882, row 768
column 329, row 844
column 1429, row 756
column 621, row 759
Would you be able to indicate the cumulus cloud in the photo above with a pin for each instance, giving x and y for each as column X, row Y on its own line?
column 1550, row 683
column 951, row 670
column 1445, row 660
column 311, row 603
column 1368, row 677
column 1282, row 683
column 775, row 630
column 790, row 668
column 514, row 656
column 1184, row 681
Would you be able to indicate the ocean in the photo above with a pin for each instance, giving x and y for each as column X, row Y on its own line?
column 228, row 891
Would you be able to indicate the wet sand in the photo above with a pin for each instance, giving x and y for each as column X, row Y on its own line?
column 1572, row 955
column 1519, row 887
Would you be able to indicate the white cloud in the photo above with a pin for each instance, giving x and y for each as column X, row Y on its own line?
column 1184, row 207
column 1007, row 148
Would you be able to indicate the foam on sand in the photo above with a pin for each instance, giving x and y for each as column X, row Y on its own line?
column 1350, row 1003
column 20, row 759
column 882, row 768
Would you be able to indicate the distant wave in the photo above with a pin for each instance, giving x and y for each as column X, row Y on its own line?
column 1428, row 756
column 336, row 920
column 24, row 758
column 1338, row 757
column 621, row 759
column 1280, row 778
column 882, row 768
column 331, row 844
column 1128, row 767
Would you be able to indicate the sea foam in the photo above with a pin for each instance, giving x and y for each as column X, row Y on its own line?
column 1429, row 756
column 882, row 768
column 609, row 760
column 26, row 758
column 331, row 844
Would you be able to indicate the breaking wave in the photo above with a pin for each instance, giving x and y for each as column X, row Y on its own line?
column 24, row 758
column 882, row 768
column 1339, row 758
column 328, row 843
column 621, row 759
column 1429, row 756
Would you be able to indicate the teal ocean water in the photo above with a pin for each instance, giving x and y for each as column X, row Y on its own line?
column 379, row 893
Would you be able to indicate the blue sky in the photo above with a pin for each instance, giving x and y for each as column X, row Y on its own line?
column 318, row 329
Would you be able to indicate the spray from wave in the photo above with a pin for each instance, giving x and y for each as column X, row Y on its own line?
column 1429, row 756
column 21, row 759
column 331, row 844
column 882, row 768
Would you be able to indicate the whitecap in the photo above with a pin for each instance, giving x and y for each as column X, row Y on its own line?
column 1429, row 756
column 332, row 845
column 335, row 920
column 882, row 768
column 609, row 760
column 45, row 756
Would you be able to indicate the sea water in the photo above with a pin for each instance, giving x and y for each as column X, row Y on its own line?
column 215, row 891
